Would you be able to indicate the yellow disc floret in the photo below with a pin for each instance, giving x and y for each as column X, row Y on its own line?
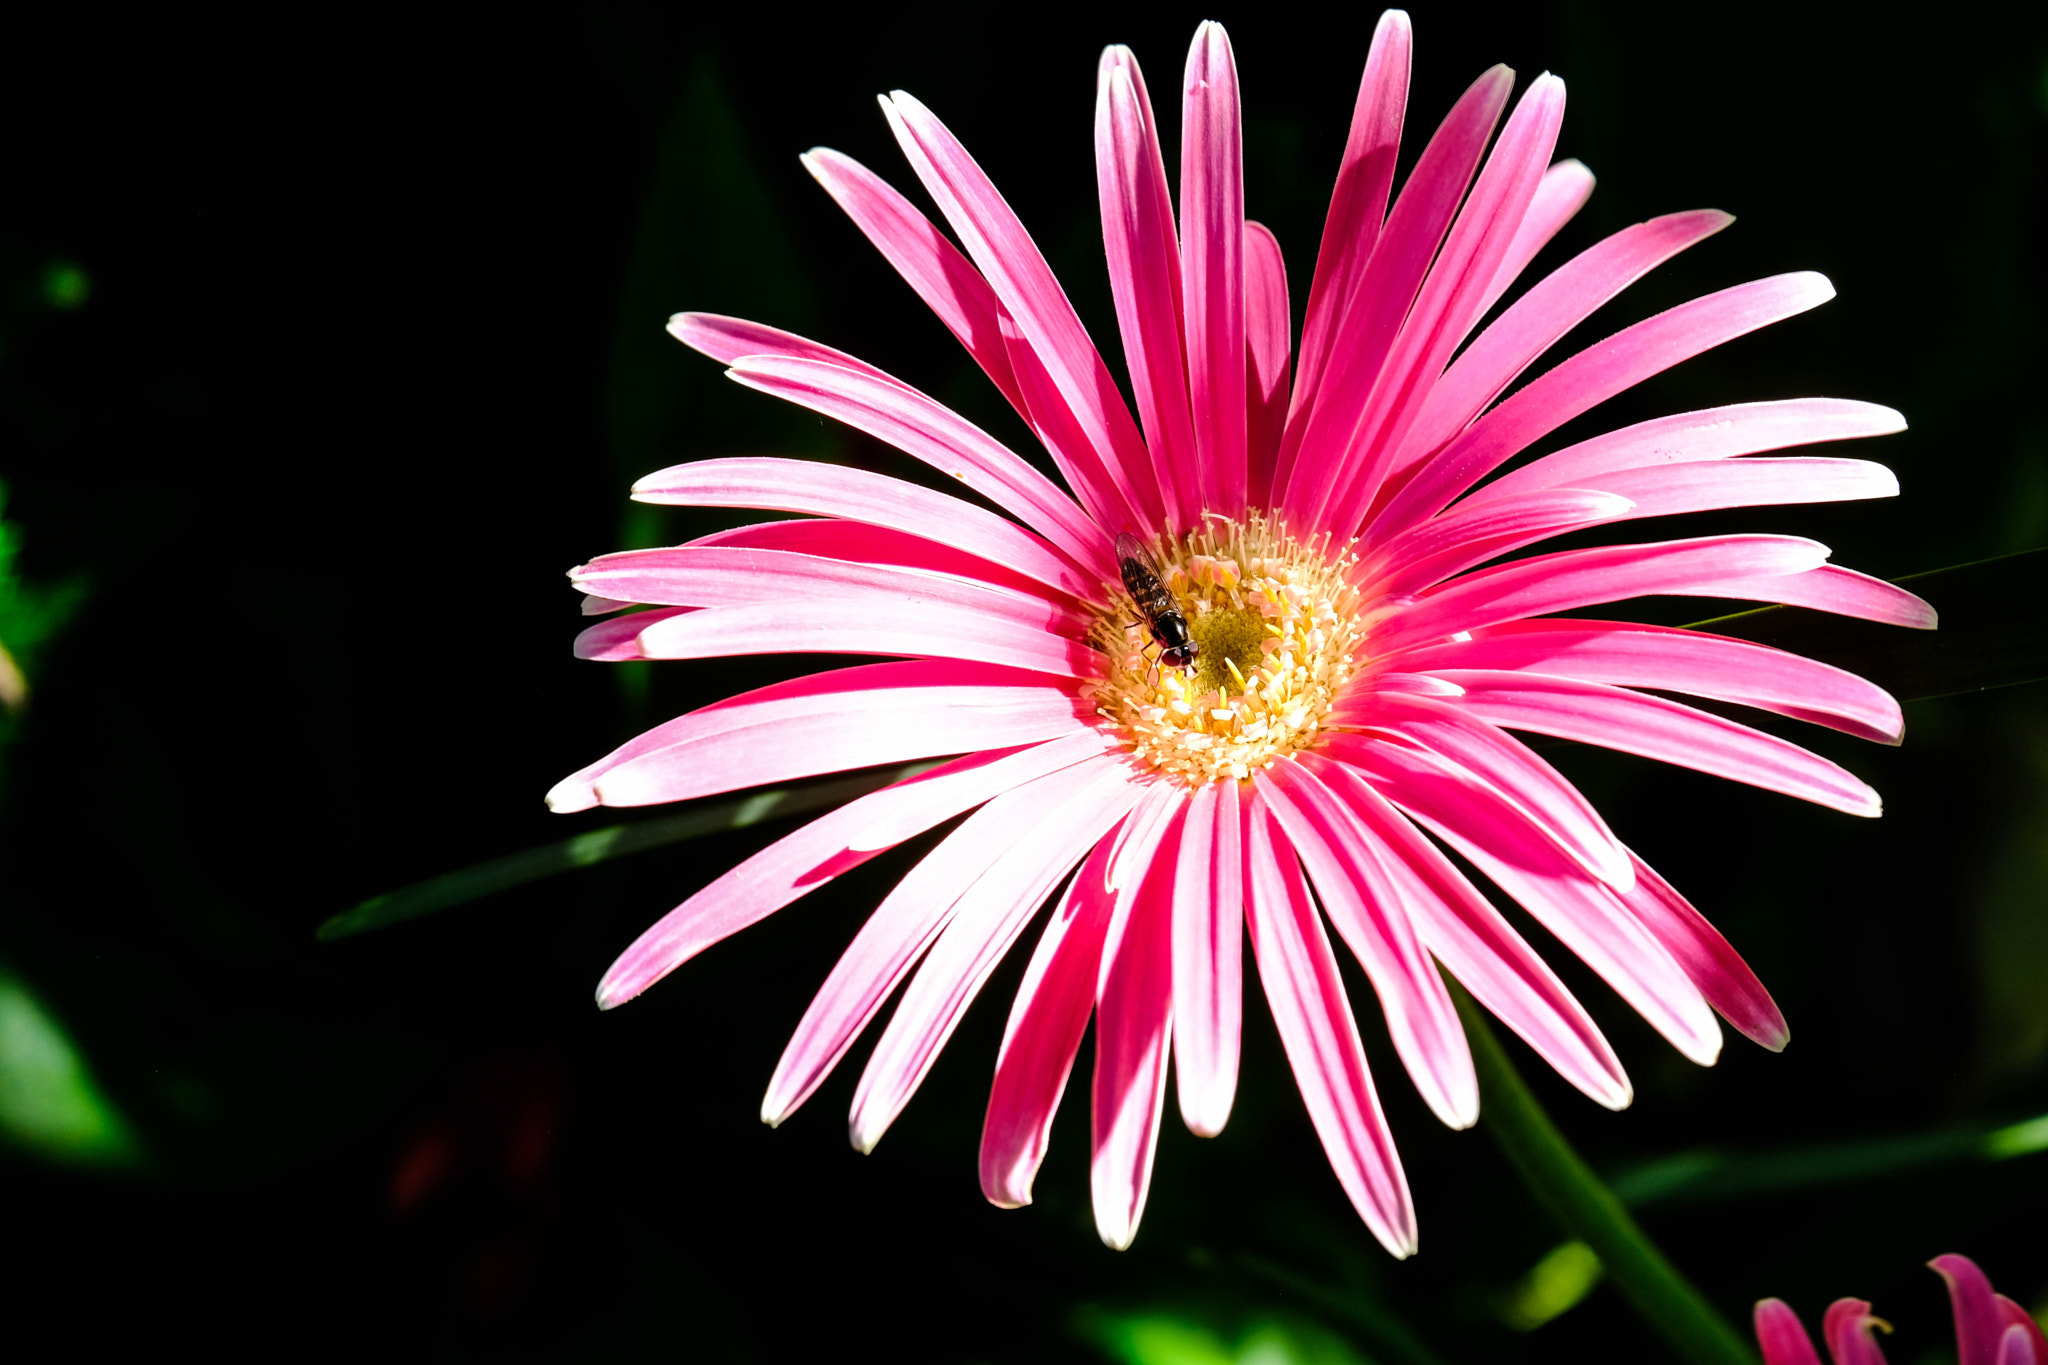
column 1277, row 622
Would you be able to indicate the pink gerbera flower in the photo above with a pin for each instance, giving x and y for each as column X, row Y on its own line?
column 1344, row 719
column 1990, row 1328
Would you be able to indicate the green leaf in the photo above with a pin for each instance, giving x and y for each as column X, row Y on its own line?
column 601, row 845
column 1993, row 633
column 50, row 1103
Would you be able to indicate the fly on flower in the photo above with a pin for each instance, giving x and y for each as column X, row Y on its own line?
column 1339, row 517
column 1155, row 602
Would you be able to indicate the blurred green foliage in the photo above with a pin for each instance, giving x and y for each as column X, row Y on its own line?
column 50, row 1103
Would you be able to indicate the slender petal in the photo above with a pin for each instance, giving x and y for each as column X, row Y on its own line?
column 1266, row 331
column 1208, row 954
column 1358, row 205
column 1024, row 284
column 1783, row 1340
column 1133, row 1034
column 1462, row 930
column 852, row 718
column 1426, row 555
column 1563, row 191
column 1615, row 718
column 2019, row 1320
column 726, row 339
column 1834, row 589
column 861, row 542
column 1592, row 376
column 618, row 639
column 1847, row 1328
column 1361, row 900
column 1212, row 266
column 834, row 491
column 1979, row 1323
column 1144, row 275
column 982, row 925
column 923, row 428
column 800, row 863
column 905, row 925
column 1044, row 1033
column 1319, row 1034
column 1716, row 968
column 929, row 263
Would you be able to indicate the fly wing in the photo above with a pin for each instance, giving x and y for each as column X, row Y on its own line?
column 1130, row 549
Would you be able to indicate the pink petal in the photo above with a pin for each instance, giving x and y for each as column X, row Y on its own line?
column 1062, row 434
column 1979, row 1323
column 726, row 339
column 2018, row 1319
column 1319, row 1034
column 1208, row 955
column 904, row 925
column 618, row 640
column 1025, row 286
column 1508, row 769
column 593, row 605
column 799, row 863
column 921, row 628
column 829, row 722
column 1713, row 434
column 1590, row 377
column 726, row 575
column 929, row 263
column 1267, row 327
column 1541, row 318
column 1715, row 967
column 1668, row 731
column 1358, row 205
column 1625, row 654
column 1478, row 947
column 1133, row 1032
column 1345, row 864
column 1778, row 1333
column 1046, row 1023
column 1585, row 915
column 1563, row 191
column 1426, row 555
column 1847, row 1329
column 1830, row 588
column 2018, row 1347
column 1581, row 578
column 1144, row 274
column 1705, row 485
column 860, row 542
column 1451, row 296
column 1212, row 265
column 1385, row 292
column 834, row 491
column 981, row 927
column 922, row 428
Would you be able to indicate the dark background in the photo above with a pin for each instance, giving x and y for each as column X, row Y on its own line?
column 330, row 339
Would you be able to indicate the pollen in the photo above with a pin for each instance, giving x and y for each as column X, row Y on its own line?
column 1279, row 625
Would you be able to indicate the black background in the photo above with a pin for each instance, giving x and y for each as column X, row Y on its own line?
column 372, row 352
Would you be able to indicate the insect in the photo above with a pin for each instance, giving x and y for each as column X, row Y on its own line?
column 1162, row 613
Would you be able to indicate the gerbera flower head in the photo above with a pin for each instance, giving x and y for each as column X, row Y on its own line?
column 1990, row 1328
column 1328, row 521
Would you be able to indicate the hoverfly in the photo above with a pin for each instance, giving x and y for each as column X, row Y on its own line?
column 1162, row 613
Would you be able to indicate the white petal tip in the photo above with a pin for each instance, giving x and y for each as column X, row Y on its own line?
column 566, row 799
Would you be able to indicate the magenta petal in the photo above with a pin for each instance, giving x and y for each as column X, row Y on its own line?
column 860, row 542
column 1782, row 1339
column 1144, row 275
column 915, row 627
column 1320, row 1035
column 920, row 427
column 800, row 863
column 1384, row 294
column 1592, row 376
column 1029, row 294
column 1560, row 195
column 1344, row 862
column 1208, row 954
column 897, row 934
column 1835, row 589
column 835, row 491
column 1979, row 1323
column 929, row 263
column 1425, row 555
column 982, row 925
column 1266, row 332
column 1212, row 266
column 1358, row 205
column 1714, row 966
column 726, row 339
column 2018, row 1319
column 1476, row 945
column 1046, row 1023
column 1847, row 1328
column 1615, row 718
column 1133, row 1033
column 618, row 640
column 2018, row 1346
column 1706, row 485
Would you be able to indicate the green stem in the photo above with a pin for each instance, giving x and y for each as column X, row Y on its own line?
column 1588, row 1209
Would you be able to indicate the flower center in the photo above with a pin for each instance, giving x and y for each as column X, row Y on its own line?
column 1277, row 623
